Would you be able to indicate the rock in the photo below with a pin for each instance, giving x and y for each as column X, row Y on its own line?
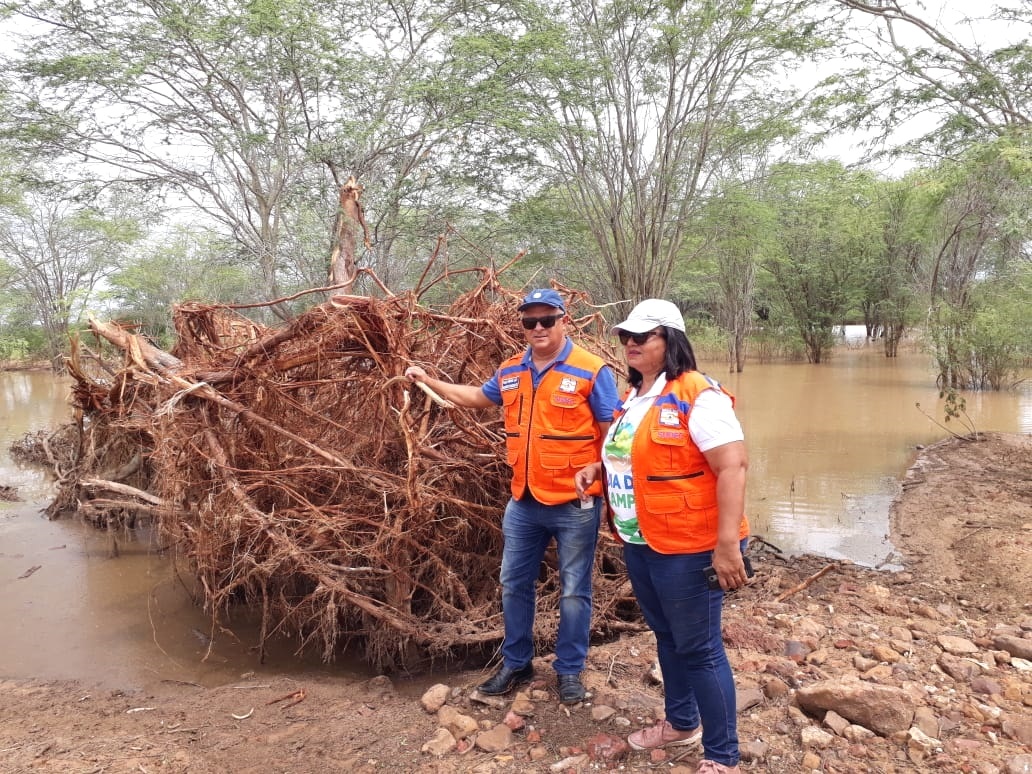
column 1016, row 646
column 960, row 669
column 1019, row 729
column 522, row 705
column 496, row 702
column 538, row 753
column 497, row 739
column 957, row 646
column 753, row 750
column 607, row 748
column 920, row 745
column 863, row 664
column 881, row 708
column 600, row 713
column 435, row 697
column 747, row 698
column 857, row 734
column 569, row 763
column 812, row 737
column 926, row 719
column 1019, row 764
column 885, row 653
column 836, row 722
column 796, row 650
column 514, row 721
column 441, row 743
column 986, row 685
column 460, row 726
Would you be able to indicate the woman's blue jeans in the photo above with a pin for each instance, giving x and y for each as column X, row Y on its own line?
column 527, row 528
column 685, row 615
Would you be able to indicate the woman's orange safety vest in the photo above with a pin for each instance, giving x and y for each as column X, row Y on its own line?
column 675, row 490
column 550, row 432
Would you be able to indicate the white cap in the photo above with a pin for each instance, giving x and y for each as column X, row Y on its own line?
column 651, row 313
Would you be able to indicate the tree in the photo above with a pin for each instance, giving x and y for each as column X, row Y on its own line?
column 890, row 281
column 255, row 112
column 59, row 253
column 915, row 67
column 980, row 234
column 181, row 265
column 824, row 225
column 639, row 108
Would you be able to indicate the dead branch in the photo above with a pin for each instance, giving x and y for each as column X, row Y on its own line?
column 800, row 586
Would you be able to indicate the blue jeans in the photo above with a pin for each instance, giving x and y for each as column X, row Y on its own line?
column 685, row 615
column 527, row 528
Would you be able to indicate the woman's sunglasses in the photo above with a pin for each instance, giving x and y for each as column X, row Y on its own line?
column 548, row 321
column 637, row 338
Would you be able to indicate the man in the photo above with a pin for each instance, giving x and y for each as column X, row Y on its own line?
column 558, row 401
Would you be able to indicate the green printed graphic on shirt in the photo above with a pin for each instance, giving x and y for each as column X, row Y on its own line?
column 617, row 460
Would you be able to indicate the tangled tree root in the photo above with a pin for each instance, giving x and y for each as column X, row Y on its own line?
column 298, row 471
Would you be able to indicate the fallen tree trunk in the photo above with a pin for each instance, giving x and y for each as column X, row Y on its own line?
column 314, row 482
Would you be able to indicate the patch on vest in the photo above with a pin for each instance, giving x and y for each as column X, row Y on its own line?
column 669, row 435
column 669, row 417
column 563, row 400
column 568, row 384
column 510, row 383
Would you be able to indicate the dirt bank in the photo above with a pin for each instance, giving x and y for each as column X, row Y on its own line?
column 937, row 656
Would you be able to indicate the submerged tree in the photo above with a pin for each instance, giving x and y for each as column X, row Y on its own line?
column 641, row 108
column 980, row 237
column 824, row 227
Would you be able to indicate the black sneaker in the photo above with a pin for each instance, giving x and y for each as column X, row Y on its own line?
column 570, row 689
column 505, row 679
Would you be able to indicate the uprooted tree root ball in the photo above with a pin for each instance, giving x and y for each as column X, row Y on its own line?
column 296, row 470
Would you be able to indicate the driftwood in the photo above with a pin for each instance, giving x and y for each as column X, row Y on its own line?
column 296, row 470
column 807, row 582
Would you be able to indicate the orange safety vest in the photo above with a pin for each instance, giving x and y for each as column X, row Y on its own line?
column 675, row 490
column 550, row 432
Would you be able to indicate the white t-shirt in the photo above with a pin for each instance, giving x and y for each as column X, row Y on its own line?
column 711, row 423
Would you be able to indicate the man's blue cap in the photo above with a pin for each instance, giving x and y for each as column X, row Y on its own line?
column 543, row 296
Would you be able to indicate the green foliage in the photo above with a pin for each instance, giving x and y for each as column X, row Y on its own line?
column 825, row 227
column 918, row 66
column 186, row 265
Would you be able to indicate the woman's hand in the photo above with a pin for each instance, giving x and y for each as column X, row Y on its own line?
column 729, row 566
column 585, row 477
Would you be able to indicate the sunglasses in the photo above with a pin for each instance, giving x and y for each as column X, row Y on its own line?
column 637, row 338
column 548, row 321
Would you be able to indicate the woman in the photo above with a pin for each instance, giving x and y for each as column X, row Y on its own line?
column 674, row 465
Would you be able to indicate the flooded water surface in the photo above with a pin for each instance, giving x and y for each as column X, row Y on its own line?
column 828, row 446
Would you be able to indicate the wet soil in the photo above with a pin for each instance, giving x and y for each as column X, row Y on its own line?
column 962, row 524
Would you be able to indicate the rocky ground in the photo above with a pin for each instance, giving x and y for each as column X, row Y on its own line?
column 839, row 669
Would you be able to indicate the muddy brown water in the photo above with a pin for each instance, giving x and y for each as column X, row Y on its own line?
column 828, row 446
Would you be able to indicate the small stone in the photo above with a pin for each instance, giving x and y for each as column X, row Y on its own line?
column 811, row 762
column 1019, row 764
column 957, row 646
column 600, row 713
column 607, row 748
column 435, row 697
column 537, row 753
column 813, row 737
column 836, row 722
column 497, row 739
column 441, row 743
column 753, row 750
